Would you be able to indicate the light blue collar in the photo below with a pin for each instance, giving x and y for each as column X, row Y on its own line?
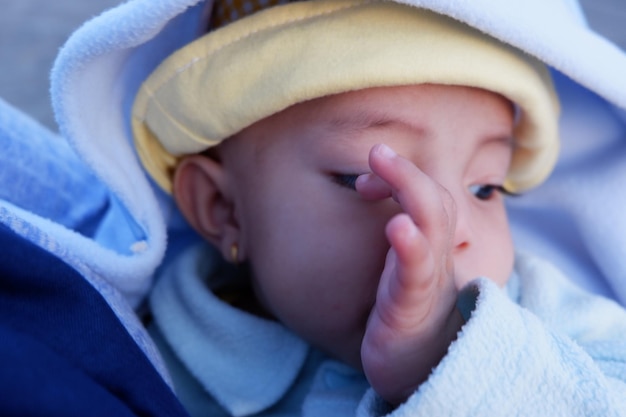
column 244, row 362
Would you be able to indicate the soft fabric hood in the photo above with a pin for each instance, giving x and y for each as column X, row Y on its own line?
column 99, row 70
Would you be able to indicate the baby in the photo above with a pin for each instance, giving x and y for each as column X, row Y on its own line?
column 286, row 195
column 349, row 159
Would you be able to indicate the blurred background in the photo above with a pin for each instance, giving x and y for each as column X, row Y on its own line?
column 32, row 31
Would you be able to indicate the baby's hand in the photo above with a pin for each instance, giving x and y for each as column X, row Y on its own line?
column 414, row 319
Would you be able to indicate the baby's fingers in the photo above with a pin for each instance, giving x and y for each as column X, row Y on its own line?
column 372, row 187
column 429, row 204
column 409, row 328
column 408, row 285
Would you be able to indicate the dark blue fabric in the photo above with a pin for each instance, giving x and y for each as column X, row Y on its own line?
column 63, row 352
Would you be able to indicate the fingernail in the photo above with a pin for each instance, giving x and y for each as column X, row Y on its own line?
column 385, row 151
column 360, row 180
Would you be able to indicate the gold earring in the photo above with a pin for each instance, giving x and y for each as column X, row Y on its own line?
column 234, row 253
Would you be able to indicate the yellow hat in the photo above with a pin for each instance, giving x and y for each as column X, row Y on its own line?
column 259, row 65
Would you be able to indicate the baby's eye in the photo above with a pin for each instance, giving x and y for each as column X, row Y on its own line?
column 486, row 191
column 346, row 180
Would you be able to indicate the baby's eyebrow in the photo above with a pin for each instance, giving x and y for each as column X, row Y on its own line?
column 363, row 120
column 503, row 139
column 345, row 125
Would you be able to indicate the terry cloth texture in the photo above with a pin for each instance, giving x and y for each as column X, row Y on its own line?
column 260, row 65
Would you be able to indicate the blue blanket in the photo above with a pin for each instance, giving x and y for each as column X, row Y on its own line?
column 64, row 352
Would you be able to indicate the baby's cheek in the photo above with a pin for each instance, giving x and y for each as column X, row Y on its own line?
column 494, row 265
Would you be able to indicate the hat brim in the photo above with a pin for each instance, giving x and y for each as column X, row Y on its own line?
column 255, row 67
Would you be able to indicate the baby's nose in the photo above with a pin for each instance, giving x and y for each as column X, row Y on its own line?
column 462, row 231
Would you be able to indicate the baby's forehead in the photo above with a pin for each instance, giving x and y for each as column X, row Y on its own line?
column 377, row 107
column 410, row 112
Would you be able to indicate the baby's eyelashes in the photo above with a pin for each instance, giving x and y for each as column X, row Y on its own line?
column 346, row 180
column 369, row 186
column 487, row 191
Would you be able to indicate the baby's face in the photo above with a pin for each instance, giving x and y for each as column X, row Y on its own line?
column 316, row 247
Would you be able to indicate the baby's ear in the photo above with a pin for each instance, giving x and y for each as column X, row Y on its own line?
column 202, row 195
